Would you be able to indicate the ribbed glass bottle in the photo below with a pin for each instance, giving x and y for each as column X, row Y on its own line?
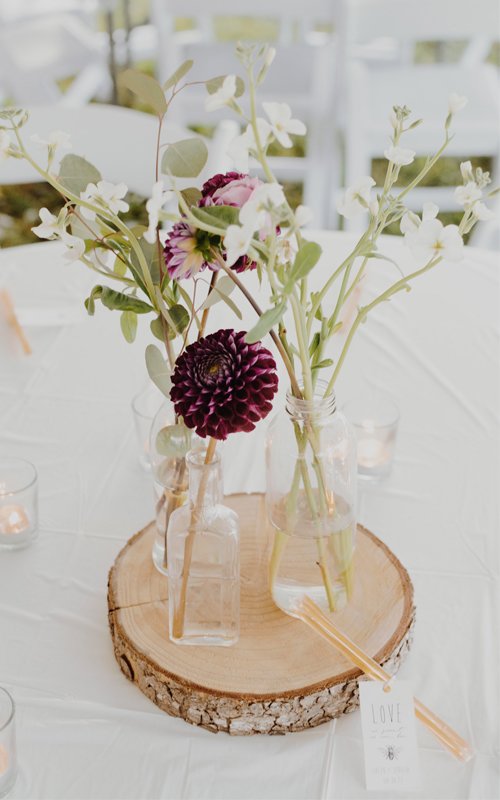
column 311, row 502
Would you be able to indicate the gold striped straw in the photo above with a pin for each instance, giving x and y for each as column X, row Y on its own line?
column 312, row 615
column 14, row 322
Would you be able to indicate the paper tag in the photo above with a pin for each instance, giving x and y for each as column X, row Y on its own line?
column 389, row 735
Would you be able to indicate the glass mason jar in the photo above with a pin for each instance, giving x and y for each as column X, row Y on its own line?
column 169, row 443
column 203, row 561
column 311, row 502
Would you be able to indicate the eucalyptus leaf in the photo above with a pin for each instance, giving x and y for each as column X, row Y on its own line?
column 307, row 257
column 185, row 159
column 152, row 257
column 158, row 369
column 191, row 195
column 214, row 84
column 314, row 344
column 178, row 74
column 147, row 89
column 156, row 326
column 221, row 216
column 179, row 317
column 173, row 441
column 269, row 318
column 220, row 292
column 75, row 173
column 381, row 257
column 128, row 324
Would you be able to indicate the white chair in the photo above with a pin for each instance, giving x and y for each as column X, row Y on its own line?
column 304, row 74
column 374, row 87
column 37, row 50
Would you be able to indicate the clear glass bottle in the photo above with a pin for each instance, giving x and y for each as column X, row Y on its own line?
column 203, row 561
column 311, row 502
column 169, row 443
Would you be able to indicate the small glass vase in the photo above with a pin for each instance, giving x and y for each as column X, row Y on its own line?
column 203, row 561
column 311, row 502
column 169, row 443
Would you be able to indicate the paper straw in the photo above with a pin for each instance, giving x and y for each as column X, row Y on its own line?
column 14, row 322
column 311, row 614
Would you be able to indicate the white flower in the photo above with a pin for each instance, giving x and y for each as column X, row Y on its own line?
column 223, row 95
column 356, row 199
column 482, row 212
column 303, row 216
column 468, row 194
column 456, row 102
column 75, row 247
column 51, row 226
column 54, row 139
column 399, row 155
column 254, row 214
column 286, row 250
column 411, row 222
column 5, row 145
column 466, row 170
column 270, row 56
column 282, row 124
column 106, row 195
column 154, row 205
column 239, row 149
column 236, row 243
column 433, row 239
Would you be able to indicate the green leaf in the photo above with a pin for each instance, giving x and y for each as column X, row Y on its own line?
column 116, row 301
column 307, row 257
column 147, row 89
column 221, row 291
column 179, row 317
column 173, row 441
column 119, row 268
column 213, row 84
column 221, row 216
column 178, row 74
column 158, row 369
column 314, row 344
column 152, row 257
column 128, row 324
column 191, row 195
column 156, row 326
column 75, row 173
column 185, row 159
column 269, row 318
column 327, row 362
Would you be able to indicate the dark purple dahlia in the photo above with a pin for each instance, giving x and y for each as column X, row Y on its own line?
column 223, row 385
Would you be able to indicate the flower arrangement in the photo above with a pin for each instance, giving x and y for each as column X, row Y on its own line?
column 225, row 381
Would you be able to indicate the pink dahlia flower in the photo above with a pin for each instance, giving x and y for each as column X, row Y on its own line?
column 187, row 251
column 222, row 385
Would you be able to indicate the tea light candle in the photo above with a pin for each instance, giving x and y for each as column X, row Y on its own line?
column 371, row 453
column 375, row 419
column 13, row 519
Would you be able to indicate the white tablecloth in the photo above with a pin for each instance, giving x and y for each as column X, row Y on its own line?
column 84, row 731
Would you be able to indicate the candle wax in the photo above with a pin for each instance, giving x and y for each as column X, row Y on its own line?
column 372, row 453
column 4, row 760
column 13, row 519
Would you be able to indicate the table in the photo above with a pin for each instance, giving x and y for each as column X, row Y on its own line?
column 86, row 732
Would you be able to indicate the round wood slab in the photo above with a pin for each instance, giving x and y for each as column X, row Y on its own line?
column 281, row 676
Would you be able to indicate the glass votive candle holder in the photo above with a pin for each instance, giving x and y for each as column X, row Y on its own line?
column 18, row 503
column 8, row 757
column 145, row 404
column 375, row 418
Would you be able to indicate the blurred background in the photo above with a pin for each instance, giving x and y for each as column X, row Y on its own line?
column 340, row 64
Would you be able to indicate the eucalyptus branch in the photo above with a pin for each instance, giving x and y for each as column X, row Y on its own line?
column 206, row 311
